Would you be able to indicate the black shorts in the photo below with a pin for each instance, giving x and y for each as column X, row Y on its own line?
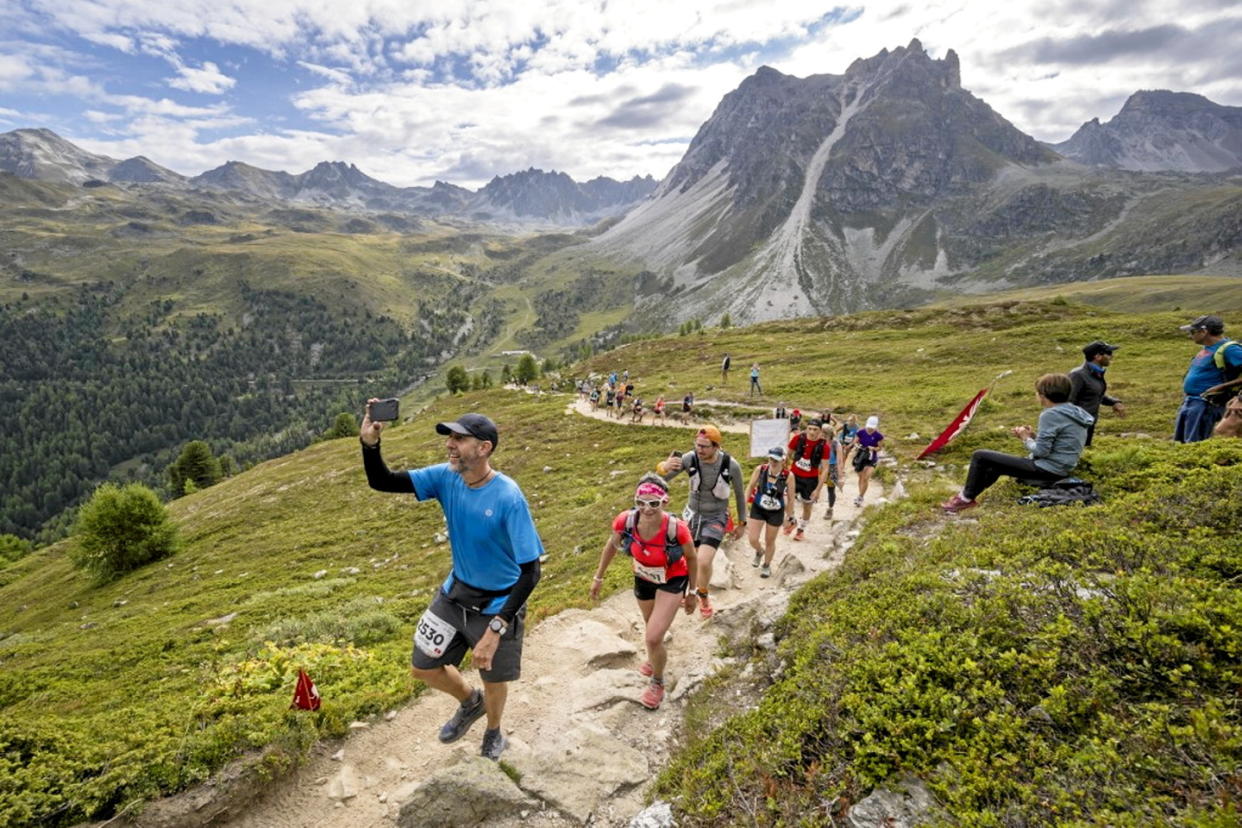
column 645, row 590
column 708, row 531
column 864, row 458
column 771, row 518
column 804, row 487
column 470, row 626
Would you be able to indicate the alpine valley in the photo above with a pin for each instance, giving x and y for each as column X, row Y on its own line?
column 141, row 308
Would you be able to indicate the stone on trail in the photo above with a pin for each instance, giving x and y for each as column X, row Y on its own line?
column 788, row 571
column 578, row 770
column 344, row 785
column 901, row 803
column 722, row 572
column 584, row 640
column 604, row 687
column 469, row 792
column 658, row 815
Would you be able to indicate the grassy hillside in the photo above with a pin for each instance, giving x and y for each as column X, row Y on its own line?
column 113, row 694
column 917, row 368
column 1132, row 294
column 143, row 687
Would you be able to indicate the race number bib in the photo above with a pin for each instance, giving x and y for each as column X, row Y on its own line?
column 804, row 463
column 654, row 574
column 687, row 515
column 433, row 634
column 770, row 503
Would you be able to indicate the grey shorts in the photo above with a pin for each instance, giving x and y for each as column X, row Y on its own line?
column 470, row 626
column 708, row 531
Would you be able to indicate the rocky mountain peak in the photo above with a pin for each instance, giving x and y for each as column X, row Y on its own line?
column 1157, row 129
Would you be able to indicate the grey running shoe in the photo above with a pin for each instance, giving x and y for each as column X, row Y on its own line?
column 758, row 559
column 828, row 514
column 467, row 714
column 494, row 744
column 766, row 572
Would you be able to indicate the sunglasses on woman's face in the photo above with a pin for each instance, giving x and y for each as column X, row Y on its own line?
column 650, row 504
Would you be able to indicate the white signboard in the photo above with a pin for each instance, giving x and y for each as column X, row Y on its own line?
column 766, row 434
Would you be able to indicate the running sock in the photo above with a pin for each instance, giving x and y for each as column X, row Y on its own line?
column 658, row 680
column 802, row 523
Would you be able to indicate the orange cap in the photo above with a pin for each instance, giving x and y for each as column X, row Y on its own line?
column 712, row 433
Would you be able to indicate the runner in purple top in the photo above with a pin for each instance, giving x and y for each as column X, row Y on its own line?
column 867, row 441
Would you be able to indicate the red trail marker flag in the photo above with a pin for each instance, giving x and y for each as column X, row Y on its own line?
column 961, row 420
column 305, row 695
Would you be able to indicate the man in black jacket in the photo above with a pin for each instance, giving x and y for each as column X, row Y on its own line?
column 1089, row 389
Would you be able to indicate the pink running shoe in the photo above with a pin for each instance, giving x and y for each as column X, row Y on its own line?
column 957, row 503
column 652, row 696
column 705, row 608
column 646, row 669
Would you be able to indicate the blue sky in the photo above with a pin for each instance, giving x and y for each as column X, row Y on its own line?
column 462, row 90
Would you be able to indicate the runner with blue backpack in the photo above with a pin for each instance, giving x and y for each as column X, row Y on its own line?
column 662, row 554
column 770, row 490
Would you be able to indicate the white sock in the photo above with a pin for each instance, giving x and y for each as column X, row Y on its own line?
column 801, row 523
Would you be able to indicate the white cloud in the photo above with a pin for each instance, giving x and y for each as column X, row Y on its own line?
column 208, row 79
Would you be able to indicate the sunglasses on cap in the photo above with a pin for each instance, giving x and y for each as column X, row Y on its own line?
column 650, row 504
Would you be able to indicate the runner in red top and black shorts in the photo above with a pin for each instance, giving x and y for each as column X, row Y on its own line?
column 808, row 457
column 664, row 563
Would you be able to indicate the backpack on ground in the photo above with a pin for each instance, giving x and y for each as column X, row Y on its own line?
column 672, row 548
column 1067, row 492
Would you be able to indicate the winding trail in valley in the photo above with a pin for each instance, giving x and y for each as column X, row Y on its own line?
column 583, row 746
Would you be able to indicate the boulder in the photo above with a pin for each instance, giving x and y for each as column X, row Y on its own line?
column 658, row 815
column 899, row 803
column 604, row 687
column 467, row 793
column 578, row 769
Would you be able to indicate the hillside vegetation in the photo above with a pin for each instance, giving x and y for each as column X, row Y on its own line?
column 921, row 654
column 132, row 323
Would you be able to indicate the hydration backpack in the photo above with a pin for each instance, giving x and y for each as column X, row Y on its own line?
column 817, row 453
column 693, row 469
column 672, row 549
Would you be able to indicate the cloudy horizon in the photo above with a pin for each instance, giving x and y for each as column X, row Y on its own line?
column 464, row 90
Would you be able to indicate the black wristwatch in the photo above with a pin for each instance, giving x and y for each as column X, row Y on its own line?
column 498, row 625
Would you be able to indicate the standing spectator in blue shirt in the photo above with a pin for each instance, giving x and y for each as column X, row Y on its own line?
column 481, row 605
column 1213, row 376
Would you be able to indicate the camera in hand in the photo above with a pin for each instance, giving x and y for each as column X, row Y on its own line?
column 385, row 409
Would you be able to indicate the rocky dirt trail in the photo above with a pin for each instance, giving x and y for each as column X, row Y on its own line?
column 583, row 749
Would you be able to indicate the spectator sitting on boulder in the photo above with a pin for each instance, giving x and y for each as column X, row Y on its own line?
column 1054, row 449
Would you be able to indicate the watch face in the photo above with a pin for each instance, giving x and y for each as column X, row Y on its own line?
column 497, row 625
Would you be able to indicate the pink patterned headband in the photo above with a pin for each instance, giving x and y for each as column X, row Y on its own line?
column 650, row 490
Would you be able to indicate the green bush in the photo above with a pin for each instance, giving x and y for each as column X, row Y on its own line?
column 1068, row 666
column 120, row 529
column 360, row 622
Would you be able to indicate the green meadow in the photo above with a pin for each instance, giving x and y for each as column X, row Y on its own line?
column 929, row 651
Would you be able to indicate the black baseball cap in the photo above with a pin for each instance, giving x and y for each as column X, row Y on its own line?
column 818, row 423
column 1212, row 324
column 472, row 425
column 1093, row 349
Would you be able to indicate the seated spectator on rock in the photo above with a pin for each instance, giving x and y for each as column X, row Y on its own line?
column 1054, row 447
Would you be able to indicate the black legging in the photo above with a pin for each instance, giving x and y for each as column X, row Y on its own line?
column 986, row 467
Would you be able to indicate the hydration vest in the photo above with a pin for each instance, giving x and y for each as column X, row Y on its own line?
column 672, row 549
column 817, row 453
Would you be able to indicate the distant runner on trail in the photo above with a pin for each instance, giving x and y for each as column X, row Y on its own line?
column 637, row 411
column 770, row 490
column 594, row 399
column 657, row 410
column 481, row 605
column 808, row 456
column 867, row 445
column 687, row 405
column 848, row 432
column 755, row 387
column 712, row 474
column 832, row 479
column 610, row 398
column 724, row 369
column 663, row 558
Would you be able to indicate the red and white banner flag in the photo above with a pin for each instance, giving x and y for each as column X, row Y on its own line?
column 961, row 420
column 305, row 695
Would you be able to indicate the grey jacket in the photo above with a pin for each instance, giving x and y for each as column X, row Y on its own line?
column 1059, row 438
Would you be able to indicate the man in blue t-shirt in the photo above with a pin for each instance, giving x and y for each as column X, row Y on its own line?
column 1214, row 374
column 481, row 605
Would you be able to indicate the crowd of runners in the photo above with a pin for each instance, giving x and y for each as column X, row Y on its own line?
column 496, row 549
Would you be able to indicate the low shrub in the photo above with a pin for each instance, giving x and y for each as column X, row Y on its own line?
column 120, row 529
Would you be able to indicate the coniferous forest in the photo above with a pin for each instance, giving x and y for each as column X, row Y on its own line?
column 91, row 391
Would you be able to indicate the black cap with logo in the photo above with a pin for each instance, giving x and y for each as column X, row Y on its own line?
column 472, row 425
